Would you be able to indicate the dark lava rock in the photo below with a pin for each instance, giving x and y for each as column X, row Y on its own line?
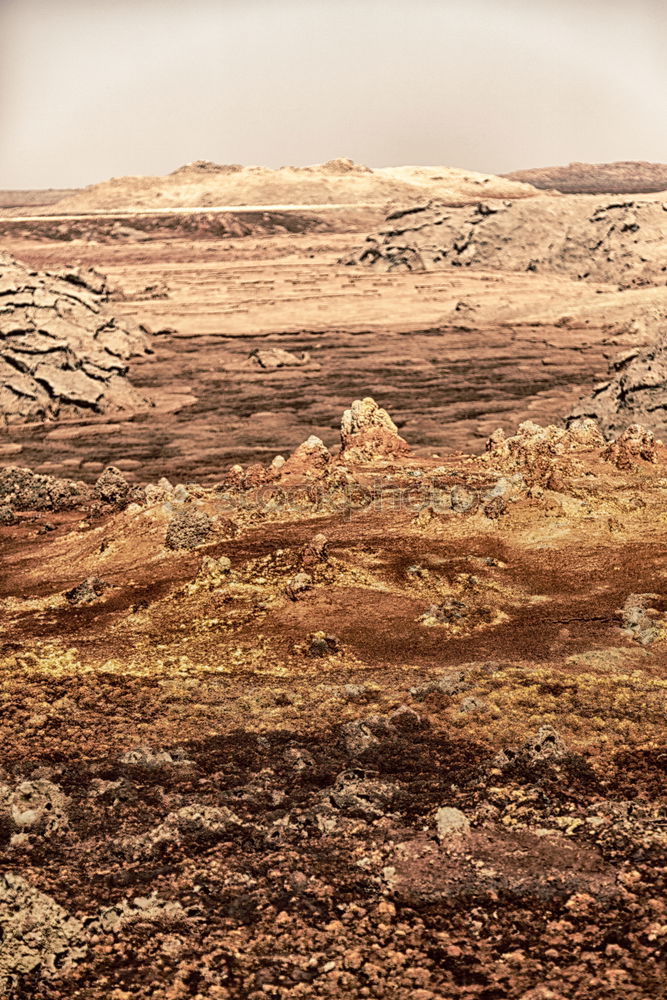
column 546, row 745
column 88, row 591
column 112, row 487
column 24, row 489
column 449, row 684
column 361, row 735
column 320, row 644
column 359, row 796
column 405, row 719
column 188, row 529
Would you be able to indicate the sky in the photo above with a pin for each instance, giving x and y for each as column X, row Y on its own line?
column 91, row 89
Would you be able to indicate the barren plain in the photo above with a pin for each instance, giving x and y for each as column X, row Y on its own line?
column 314, row 683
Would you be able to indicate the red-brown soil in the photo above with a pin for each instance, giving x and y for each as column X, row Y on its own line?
column 222, row 766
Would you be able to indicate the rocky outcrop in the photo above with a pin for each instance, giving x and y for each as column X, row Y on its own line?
column 276, row 357
column 23, row 489
column 61, row 350
column 636, row 392
column 620, row 242
column 38, row 935
column 636, row 443
column 540, row 454
column 311, row 458
column 623, row 177
column 367, row 432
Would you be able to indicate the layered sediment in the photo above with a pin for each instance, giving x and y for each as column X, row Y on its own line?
column 617, row 241
column 62, row 352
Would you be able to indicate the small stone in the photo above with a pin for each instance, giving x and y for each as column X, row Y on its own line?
column 298, row 584
column 7, row 516
column 451, row 824
column 87, row 591
column 315, row 550
column 355, row 692
column 472, row 704
column 35, row 806
column 405, row 719
column 462, row 500
column 112, row 487
column 320, row 644
column 361, row 735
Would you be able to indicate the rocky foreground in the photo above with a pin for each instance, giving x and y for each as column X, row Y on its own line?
column 352, row 724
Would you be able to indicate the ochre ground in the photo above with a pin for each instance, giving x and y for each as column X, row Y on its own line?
column 279, row 704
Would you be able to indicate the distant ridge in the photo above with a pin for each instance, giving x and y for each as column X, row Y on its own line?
column 622, row 177
column 33, row 199
column 204, row 184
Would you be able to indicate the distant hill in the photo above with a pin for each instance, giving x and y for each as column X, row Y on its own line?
column 207, row 185
column 624, row 177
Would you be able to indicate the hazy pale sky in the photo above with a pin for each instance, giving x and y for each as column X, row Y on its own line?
column 91, row 89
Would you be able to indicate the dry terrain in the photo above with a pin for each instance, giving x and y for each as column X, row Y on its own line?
column 203, row 184
column 305, row 696
column 354, row 726
column 454, row 354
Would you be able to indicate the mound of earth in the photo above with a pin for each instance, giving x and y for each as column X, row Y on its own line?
column 371, row 726
column 623, row 177
column 61, row 350
column 618, row 242
column 338, row 182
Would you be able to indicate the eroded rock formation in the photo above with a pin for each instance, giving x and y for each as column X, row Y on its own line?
column 61, row 350
column 636, row 391
column 367, row 432
column 611, row 241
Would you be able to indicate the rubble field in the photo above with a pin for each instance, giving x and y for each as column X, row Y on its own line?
column 353, row 722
